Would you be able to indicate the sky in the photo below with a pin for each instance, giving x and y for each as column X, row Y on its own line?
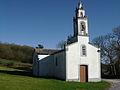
column 46, row 22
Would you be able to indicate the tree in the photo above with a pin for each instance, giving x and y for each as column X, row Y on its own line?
column 107, row 54
column 16, row 52
column 40, row 46
column 116, row 34
column 61, row 44
column 110, row 50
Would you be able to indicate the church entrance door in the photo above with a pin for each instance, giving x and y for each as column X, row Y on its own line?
column 83, row 73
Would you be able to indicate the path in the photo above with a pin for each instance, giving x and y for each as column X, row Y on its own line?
column 115, row 84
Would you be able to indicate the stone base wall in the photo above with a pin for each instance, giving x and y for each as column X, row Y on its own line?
column 89, row 80
column 94, row 79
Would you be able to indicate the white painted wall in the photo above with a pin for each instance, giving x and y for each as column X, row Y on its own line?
column 46, row 65
column 40, row 57
column 79, row 13
column 74, row 59
column 94, row 63
column 60, row 69
column 36, row 59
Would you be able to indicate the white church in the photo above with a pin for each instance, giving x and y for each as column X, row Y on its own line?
column 78, row 61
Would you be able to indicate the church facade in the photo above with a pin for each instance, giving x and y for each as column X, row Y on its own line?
column 78, row 61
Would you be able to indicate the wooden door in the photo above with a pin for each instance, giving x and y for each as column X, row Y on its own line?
column 83, row 73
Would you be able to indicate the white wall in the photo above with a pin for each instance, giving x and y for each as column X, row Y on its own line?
column 94, row 63
column 72, row 56
column 36, row 59
column 47, row 65
column 74, row 60
column 40, row 57
column 60, row 69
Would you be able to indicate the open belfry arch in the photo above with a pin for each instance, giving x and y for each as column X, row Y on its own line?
column 78, row 61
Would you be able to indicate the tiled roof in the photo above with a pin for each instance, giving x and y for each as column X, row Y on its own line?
column 46, row 51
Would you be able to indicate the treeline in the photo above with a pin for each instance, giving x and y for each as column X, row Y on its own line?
column 110, row 53
column 16, row 52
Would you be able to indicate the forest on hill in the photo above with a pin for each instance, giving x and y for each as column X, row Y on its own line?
column 16, row 52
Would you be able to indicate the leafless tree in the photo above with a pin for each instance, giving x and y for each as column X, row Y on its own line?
column 61, row 44
column 110, row 50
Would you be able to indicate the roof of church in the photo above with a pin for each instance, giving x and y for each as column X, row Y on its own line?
column 94, row 45
column 47, row 51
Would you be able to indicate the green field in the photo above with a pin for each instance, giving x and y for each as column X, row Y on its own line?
column 13, row 63
column 18, row 79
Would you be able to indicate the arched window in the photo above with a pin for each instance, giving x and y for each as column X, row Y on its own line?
column 83, row 26
column 84, row 52
column 81, row 14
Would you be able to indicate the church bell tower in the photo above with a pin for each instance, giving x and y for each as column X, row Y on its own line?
column 80, row 21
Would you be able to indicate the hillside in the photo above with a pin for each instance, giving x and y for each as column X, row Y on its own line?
column 16, row 52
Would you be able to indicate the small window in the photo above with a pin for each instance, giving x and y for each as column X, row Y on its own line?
column 56, row 61
column 84, row 50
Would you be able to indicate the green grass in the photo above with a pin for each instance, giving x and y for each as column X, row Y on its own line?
column 15, row 64
column 12, row 79
column 18, row 76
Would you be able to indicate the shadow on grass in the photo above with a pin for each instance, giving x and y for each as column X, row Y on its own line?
column 27, row 73
column 22, row 73
column 28, row 69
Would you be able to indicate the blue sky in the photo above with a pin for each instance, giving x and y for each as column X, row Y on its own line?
column 46, row 22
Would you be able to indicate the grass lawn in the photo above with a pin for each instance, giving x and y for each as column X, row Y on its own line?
column 12, row 79
column 13, row 63
column 17, row 76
